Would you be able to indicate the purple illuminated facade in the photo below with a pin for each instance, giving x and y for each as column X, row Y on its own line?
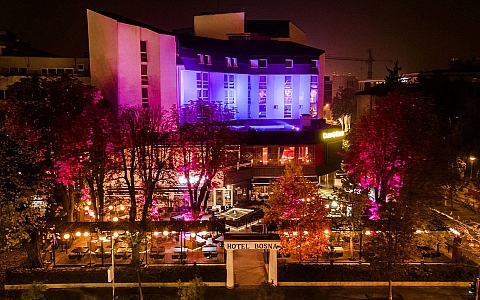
column 270, row 78
column 261, row 69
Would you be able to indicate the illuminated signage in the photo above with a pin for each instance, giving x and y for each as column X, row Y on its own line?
column 333, row 134
column 252, row 245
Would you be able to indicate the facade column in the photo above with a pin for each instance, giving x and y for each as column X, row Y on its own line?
column 272, row 267
column 230, row 271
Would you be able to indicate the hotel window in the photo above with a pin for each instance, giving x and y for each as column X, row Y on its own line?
column 200, row 59
column 234, row 62
column 254, row 63
column 229, row 85
column 289, row 63
column 313, row 95
column 208, row 58
column 314, row 63
column 202, row 86
column 228, row 61
column 144, row 75
column 287, row 154
column 52, row 72
column 262, row 100
column 305, row 155
column 81, row 67
column 144, row 97
column 287, row 98
column 262, row 63
column 249, row 98
column 143, row 51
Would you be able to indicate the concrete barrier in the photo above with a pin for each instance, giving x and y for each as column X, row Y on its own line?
column 377, row 283
column 105, row 285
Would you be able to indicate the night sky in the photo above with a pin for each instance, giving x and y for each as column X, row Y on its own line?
column 421, row 35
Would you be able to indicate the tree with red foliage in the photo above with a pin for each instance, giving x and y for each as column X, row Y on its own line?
column 399, row 154
column 208, row 148
column 89, row 153
column 50, row 106
column 299, row 213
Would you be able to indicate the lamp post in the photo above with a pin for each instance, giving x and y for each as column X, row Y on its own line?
column 472, row 159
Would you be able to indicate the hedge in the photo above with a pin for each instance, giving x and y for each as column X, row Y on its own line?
column 322, row 273
column 122, row 274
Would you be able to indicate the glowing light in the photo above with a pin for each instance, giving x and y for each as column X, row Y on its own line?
column 87, row 207
column 165, row 233
column 193, row 234
column 295, row 233
column 156, row 233
column 110, row 207
column 334, row 204
column 115, row 234
column 305, row 232
column 91, row 213
column 368, row 232
column 122, row 207
column 89, row 202
column 86, row 233
column 327, row 231
column 115, row 219
column 66, row 236
column 78, row 233
column 452, row 230
column 333, row 134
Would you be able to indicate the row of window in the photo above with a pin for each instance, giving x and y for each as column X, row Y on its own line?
column 202, row 79
column 44, row 72
column 254, row 63
column 280, row 155
column 144, row 72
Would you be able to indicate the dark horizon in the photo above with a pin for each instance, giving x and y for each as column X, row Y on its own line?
column 421, row 35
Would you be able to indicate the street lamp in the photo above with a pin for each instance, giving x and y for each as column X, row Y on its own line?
column 472, row 159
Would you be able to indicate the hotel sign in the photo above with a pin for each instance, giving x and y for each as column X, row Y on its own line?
column 333, row 134
column 244, row 245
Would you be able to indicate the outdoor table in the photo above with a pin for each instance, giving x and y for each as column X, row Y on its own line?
column 79, row 252
column 123, row 252
column 157, row 252
column 179, row 250
column 209, row 251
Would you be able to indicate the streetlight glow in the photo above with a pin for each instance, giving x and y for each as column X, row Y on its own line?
column 472, row 159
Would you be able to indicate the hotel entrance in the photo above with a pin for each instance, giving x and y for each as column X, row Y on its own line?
column 251, row 249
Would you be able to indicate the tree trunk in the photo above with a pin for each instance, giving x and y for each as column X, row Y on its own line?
column 33, row 249
column 135, row 255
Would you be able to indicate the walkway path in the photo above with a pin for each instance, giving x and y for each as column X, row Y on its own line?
column 249, row 267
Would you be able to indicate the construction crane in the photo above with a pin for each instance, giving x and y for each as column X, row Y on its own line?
column 368, row 60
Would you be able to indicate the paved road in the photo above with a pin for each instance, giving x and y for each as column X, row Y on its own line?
column 294, row 293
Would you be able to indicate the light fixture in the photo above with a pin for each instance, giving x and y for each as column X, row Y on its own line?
column 78, row 233
column 115, row 219
column 66, row 236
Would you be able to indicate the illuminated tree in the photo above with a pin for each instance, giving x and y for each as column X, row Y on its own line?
column 50, row 107
column 147, row 155
column 299, row 213
column 88, row 152
column 208, row 148
column 398, row 154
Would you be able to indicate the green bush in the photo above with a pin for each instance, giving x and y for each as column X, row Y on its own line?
column 34, row 292
column 321, row 273
column 122, row 274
